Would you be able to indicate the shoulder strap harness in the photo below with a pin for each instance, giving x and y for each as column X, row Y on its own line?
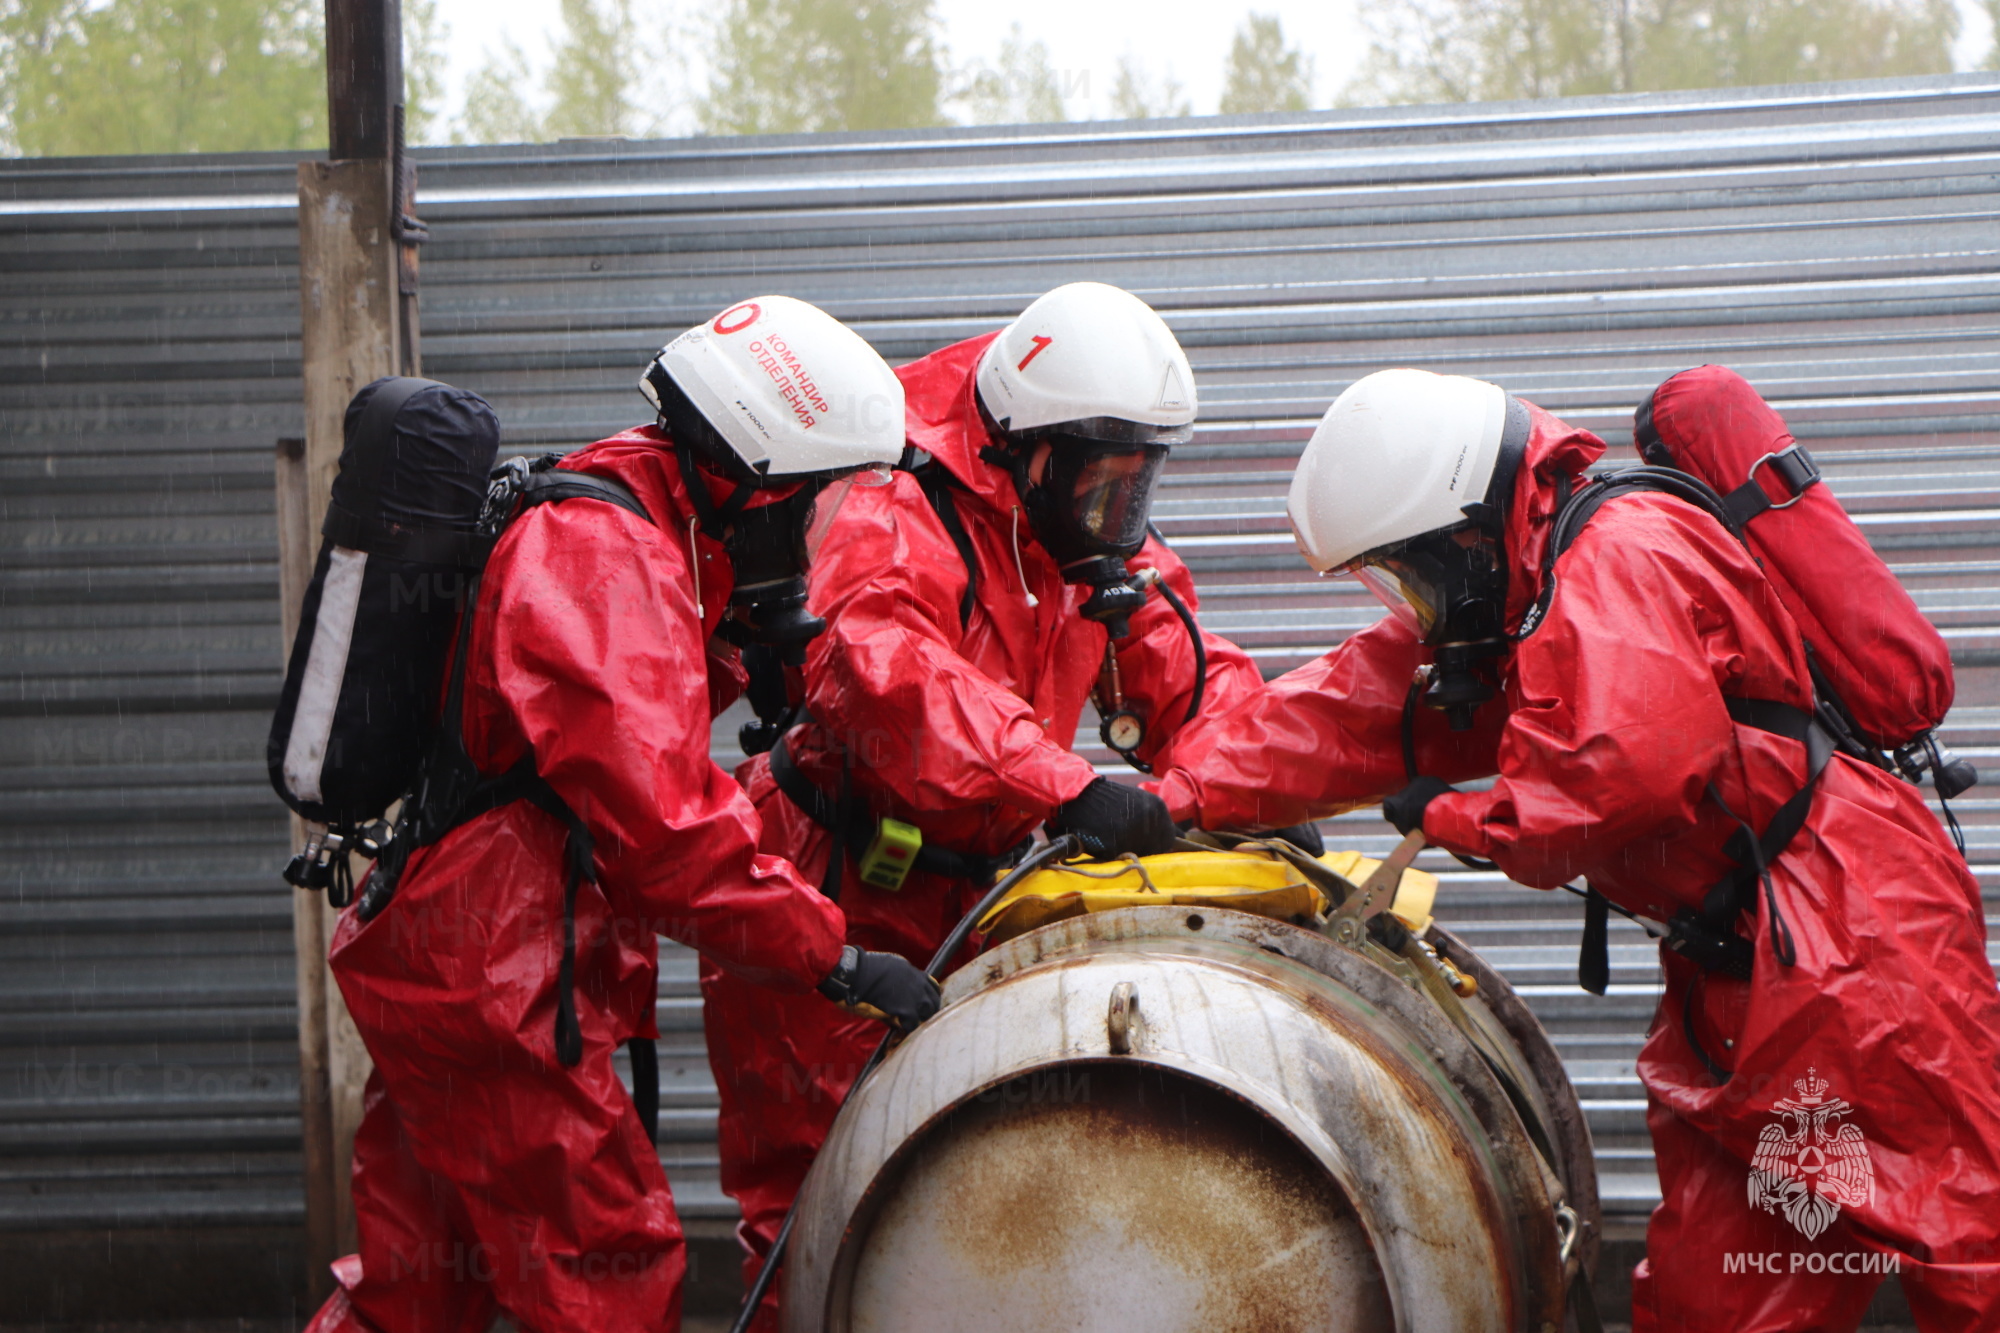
column 937, row 485
column 1706, row 936
column 449, row 791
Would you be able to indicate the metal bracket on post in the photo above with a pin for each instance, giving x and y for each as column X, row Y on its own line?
column 408, row 231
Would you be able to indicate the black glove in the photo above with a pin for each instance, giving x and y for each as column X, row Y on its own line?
column 1406, row 808
column 1111, row 819
column 1305, row 837
column 886, row 982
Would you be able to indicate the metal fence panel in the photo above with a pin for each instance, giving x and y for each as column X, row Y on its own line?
column 1835, row 244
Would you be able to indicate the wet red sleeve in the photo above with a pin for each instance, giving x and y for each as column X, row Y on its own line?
column 1321, row 739
column 887, row 677
column 1156, row 661
column 600, row 659
column 1618, row 723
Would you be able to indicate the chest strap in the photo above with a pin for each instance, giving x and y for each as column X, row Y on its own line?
column 853, row 828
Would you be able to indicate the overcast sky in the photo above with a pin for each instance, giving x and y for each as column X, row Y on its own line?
column 1187, row 39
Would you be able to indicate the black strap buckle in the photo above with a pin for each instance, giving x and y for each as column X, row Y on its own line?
column 1794, row 466
column 1712, row 951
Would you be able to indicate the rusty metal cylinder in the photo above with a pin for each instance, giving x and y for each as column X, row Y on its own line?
column 1162, row 1119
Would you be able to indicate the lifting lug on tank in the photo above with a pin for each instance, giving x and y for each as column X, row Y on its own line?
column 1122, row 1024
column 1568, row 1227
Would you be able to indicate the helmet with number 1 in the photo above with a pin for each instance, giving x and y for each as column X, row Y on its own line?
column 1093, row 361
column 1084, row 394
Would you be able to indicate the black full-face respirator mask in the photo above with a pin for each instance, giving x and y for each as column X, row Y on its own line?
column 1450, row 586
column 1090, row 510
column 767, row 545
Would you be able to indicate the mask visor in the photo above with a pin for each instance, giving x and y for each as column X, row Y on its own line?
column 1416, row 601
column 1111, row 497
column 827, row 504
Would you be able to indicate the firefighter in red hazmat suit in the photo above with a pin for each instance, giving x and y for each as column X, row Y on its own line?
column 1823, row 1075
column 969, row 607
column 500, row 1163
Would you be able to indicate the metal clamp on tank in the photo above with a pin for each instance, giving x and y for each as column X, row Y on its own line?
column 1365, row 911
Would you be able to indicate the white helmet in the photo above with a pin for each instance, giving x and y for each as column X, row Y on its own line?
column 1094, row 359
column 789, row 388
column 1400, row 454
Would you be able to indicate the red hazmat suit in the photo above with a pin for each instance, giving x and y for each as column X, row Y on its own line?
column 1866, row 1076
column 964, row 732
column 485, row 1172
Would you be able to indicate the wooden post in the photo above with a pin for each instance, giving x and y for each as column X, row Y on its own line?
column 357, row 305
column 352, row 312
column 364, row 77
column 349, row 305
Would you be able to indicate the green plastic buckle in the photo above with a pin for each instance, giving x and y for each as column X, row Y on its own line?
column 891, row 853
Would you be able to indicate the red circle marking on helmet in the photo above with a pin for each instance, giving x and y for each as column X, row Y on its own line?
column 756, row 313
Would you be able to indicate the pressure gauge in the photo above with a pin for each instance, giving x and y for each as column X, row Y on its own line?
column 1123, row 731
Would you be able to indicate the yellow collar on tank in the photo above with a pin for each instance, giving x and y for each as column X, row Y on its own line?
column 1243, row 880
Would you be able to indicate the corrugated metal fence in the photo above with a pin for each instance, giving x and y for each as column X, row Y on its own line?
column 1836, row 244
